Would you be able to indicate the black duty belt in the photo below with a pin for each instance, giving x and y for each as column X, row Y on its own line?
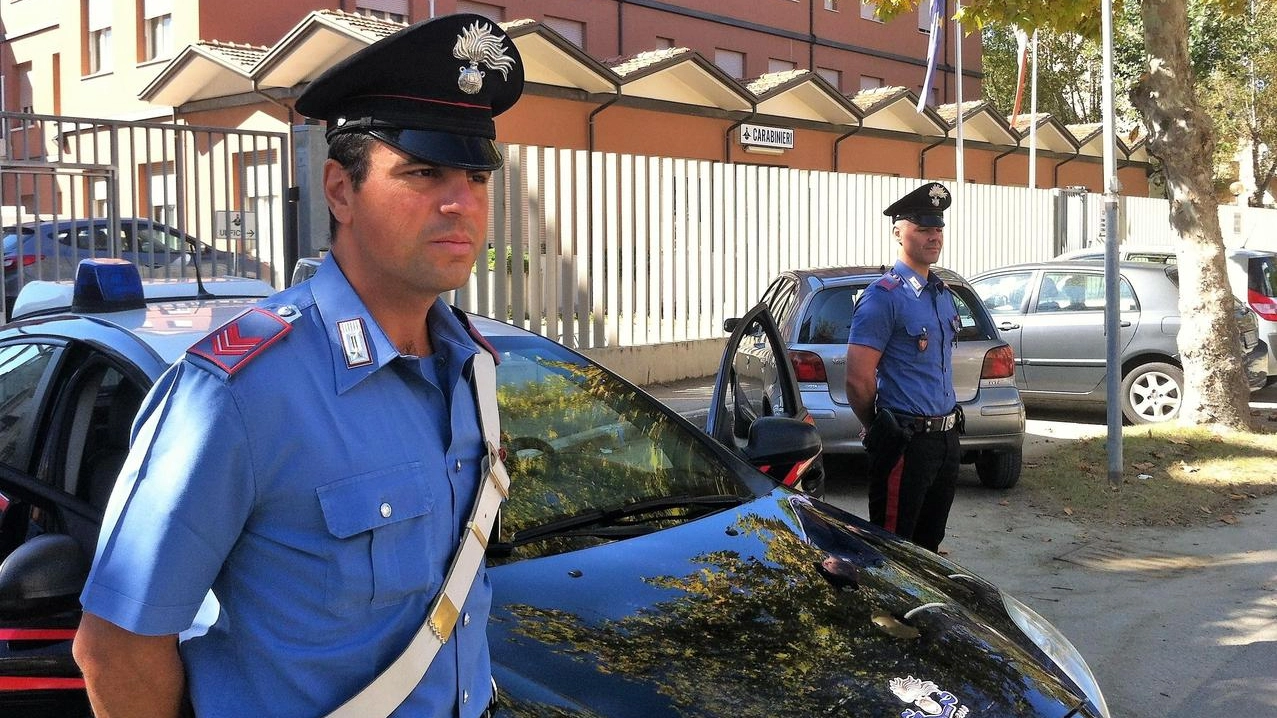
column 924, row 424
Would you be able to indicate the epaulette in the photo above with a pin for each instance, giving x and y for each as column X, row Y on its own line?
column 478, row 338
column 230, row 347
column 889, row 282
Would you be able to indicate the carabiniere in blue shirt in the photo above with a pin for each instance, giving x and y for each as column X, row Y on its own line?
column 318, row 485
column 914, row 322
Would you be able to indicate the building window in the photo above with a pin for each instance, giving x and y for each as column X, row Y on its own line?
column 833, row 77
column 572, row 30
column 97, row 36
column 731, row 62
column 831, row 5
column 492, row 12
column 870, row 83
column 774, row 65
column 663, row 43
column 924, row 15
column 388, row 10
column 867, row 8
column 157, row 29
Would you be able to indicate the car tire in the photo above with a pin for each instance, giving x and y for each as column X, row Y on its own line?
column 1152, row 393
column 999, row 469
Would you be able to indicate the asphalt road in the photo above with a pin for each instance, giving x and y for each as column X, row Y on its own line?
column 1172, row 621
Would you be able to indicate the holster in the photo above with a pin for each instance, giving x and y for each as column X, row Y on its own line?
column 885, row 439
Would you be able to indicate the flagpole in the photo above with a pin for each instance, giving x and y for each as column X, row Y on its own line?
column 961, row 174
column 1033, row 113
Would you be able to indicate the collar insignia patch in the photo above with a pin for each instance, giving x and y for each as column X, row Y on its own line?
column 354, row 342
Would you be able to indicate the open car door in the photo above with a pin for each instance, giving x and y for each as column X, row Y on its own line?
column 756, row 409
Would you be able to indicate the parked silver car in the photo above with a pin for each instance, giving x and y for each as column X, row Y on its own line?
column 813, row 309
column 1252, row 275
column 1052, row 313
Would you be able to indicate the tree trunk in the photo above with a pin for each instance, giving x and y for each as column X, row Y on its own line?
column 1181, row 136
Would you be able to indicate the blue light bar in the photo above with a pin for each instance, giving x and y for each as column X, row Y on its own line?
column 107, row 285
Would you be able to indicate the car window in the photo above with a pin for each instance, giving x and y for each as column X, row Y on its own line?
column 970, row 322
column 827, row 319
column 23, row 368
column 151, row 239
column 1261, row 276
column 1004, row 293
column 1067, row 291
column 1152, row 257
column 579, row 440
column 780, row 299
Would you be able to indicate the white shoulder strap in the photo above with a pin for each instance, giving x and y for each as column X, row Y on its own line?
column 389, row 689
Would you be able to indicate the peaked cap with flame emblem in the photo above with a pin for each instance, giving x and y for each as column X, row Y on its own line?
column 431, row 90
column 923, row 206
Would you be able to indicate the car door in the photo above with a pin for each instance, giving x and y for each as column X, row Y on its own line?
column 1062, row 342
column 754, row 387
column 1007, row 297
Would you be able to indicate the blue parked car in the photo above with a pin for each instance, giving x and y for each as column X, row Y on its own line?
column 52, row 249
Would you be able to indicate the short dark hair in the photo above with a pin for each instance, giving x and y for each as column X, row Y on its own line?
column 351, row 150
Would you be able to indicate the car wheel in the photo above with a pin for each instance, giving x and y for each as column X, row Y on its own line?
column 1152, row 393
column 999, row 469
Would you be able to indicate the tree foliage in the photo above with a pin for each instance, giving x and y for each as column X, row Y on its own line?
column 1182, row 136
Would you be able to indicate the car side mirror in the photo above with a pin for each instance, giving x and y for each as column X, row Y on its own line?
column 42, row 577
column 729, row 324
column 781, row 440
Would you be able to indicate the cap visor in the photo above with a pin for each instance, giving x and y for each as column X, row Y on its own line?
column 447, row 149
column 927, row 220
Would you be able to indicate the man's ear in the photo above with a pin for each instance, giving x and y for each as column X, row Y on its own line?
column 338, row 190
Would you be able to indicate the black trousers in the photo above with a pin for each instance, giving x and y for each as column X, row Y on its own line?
column 910, row 493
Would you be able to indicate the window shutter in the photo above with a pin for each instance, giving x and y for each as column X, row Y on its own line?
column 99, row 14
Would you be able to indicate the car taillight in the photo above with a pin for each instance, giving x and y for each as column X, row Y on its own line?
column 808, row 366
column 27, row 260
column 999, row 363
column 1264, row 306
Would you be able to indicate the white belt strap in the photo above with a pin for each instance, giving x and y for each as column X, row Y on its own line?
column 389, row 689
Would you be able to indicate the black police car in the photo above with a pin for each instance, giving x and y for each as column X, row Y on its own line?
column 642, row 568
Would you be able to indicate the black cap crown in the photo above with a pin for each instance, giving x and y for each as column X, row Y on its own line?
column 438, row 83
column 924, row 206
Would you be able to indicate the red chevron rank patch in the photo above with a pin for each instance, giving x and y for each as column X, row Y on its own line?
column 230, row 347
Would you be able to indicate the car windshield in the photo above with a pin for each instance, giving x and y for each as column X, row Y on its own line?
column 591, row 456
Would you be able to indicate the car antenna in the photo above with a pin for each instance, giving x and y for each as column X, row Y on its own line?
column 200, row 291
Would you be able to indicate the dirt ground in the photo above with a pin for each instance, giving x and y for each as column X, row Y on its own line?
column 1172, row 621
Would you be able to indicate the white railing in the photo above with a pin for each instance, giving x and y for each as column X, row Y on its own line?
column 624, row 250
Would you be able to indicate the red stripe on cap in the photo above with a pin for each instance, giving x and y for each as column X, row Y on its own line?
column 429, row 100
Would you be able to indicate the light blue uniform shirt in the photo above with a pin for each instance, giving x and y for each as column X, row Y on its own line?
column 913, row 321
column 320, row 502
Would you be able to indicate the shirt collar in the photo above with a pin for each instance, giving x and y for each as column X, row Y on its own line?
column 359, row 347
column 916, row 282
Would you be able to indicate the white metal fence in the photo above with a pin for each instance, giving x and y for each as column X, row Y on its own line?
column 608, row 250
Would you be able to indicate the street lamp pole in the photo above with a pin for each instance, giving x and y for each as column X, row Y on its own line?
column 1112, row 240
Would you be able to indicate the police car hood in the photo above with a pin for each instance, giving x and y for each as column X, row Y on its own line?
column 782, row 607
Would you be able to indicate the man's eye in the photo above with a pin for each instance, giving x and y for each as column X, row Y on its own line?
column 481, row 177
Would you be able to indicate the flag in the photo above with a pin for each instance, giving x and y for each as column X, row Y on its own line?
column 1022, row 60
column 933, row 50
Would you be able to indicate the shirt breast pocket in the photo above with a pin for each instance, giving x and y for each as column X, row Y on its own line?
column 381, row 538
column 919, row 334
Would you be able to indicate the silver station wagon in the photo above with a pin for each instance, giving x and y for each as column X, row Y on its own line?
column 1052, row 313
column 813, row 309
